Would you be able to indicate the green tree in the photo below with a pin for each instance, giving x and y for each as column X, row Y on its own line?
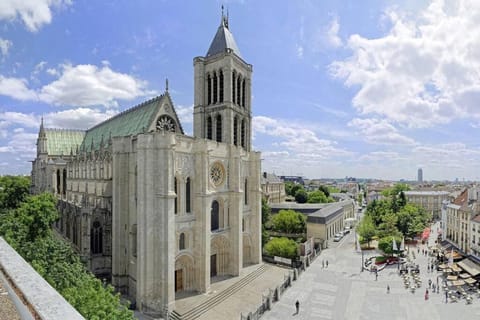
column 317, row 197
column 295, row 188
column 28, row 230
column 288, row 188
column 386, row 244
column 266, row 214
column 412, row 219
column 377, row 209
column 281, row 247
column 266, row 211
column 13, row 191
column 366, row 229
column 325, row 190
column 289, row 221
column 301, row 196
column 402, row 200
column 388, row 227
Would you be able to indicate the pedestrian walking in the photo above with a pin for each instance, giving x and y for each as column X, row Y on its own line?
column 388, row 288
column 426, row 294
column 376, row 275
column 297, row 306
column 446, row 296
column 429, row 283
column 326, row 263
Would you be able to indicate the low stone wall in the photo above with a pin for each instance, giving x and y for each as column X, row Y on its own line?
column 38, row 296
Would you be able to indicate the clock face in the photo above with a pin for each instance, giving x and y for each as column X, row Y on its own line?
column 165, row 123
column 217, row 173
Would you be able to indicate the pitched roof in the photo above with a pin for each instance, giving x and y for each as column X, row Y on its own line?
column 129, row 122
column 462, row 198
column 223, row 40
column 62, row 141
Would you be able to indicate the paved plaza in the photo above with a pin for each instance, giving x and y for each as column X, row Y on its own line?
column 341, row 291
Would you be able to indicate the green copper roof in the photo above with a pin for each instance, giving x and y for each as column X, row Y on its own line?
column 62, row 141
column 129, row 122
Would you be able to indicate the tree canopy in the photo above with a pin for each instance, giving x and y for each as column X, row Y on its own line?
column 289, row 221
column 301, row 196
column 282, row 247
column 13, row 191
column 27, row 228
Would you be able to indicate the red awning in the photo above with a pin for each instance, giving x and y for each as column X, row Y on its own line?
column 426, row 234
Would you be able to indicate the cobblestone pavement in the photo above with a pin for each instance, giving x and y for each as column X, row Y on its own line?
column 341, row 291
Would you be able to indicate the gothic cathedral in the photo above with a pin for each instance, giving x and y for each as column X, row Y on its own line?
column 154, row 210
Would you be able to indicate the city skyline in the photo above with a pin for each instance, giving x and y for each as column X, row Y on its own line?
column 371, row 90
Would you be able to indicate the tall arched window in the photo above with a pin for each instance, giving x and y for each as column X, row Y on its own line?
column 242, row 135
column 245, row 190
column 234, row 77
column 181, row 241
column 235, row 129
column 188, row 193
column 64, row 181
column 215, row 87
column 96, row 238
column 209, row 128
column 221, row 86
column 219, row 128
column 58, row 181
column 239, row 82
column 214, row 216
column 243, row 93
column 176, row 195
column 209, row 90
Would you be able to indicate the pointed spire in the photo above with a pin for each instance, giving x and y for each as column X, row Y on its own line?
column 166, row 84
column 224, row 21
column 42, row 129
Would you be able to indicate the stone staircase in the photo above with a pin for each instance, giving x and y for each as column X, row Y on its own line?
column 200, row 309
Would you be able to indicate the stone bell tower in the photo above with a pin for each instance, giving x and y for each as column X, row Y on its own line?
column 222, row 103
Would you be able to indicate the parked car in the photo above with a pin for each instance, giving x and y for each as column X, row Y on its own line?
column 337, row 238
column 346, row 231
column 339, row 234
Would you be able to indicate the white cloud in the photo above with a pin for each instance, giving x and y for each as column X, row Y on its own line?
column 16, row 88
column 5, row 45
column 331, row 34
column 88, row 85
column 79, row 118
column 378, row 131
column 52, row 71
column 380, row 156
column 296, row 138
column 33, row 13
column 10, row 118
column 185, row 114
column 424, row 71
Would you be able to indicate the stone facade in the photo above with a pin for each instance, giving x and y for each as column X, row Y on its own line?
column 159, row 212
column 431, row 201
column 273, row 188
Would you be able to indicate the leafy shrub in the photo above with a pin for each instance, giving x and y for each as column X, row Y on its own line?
column 281, row 247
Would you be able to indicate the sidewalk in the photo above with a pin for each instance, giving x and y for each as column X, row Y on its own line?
column 343, row 292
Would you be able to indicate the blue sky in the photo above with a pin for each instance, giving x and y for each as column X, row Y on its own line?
column 340, row 88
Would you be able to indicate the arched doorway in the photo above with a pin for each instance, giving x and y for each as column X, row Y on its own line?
column 219, row 256
column 247, row 250
column 184, row 273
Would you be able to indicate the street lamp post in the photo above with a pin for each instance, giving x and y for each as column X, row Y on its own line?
column 362, row 260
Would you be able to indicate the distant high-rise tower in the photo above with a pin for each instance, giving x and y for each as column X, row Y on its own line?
column 420, row 175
